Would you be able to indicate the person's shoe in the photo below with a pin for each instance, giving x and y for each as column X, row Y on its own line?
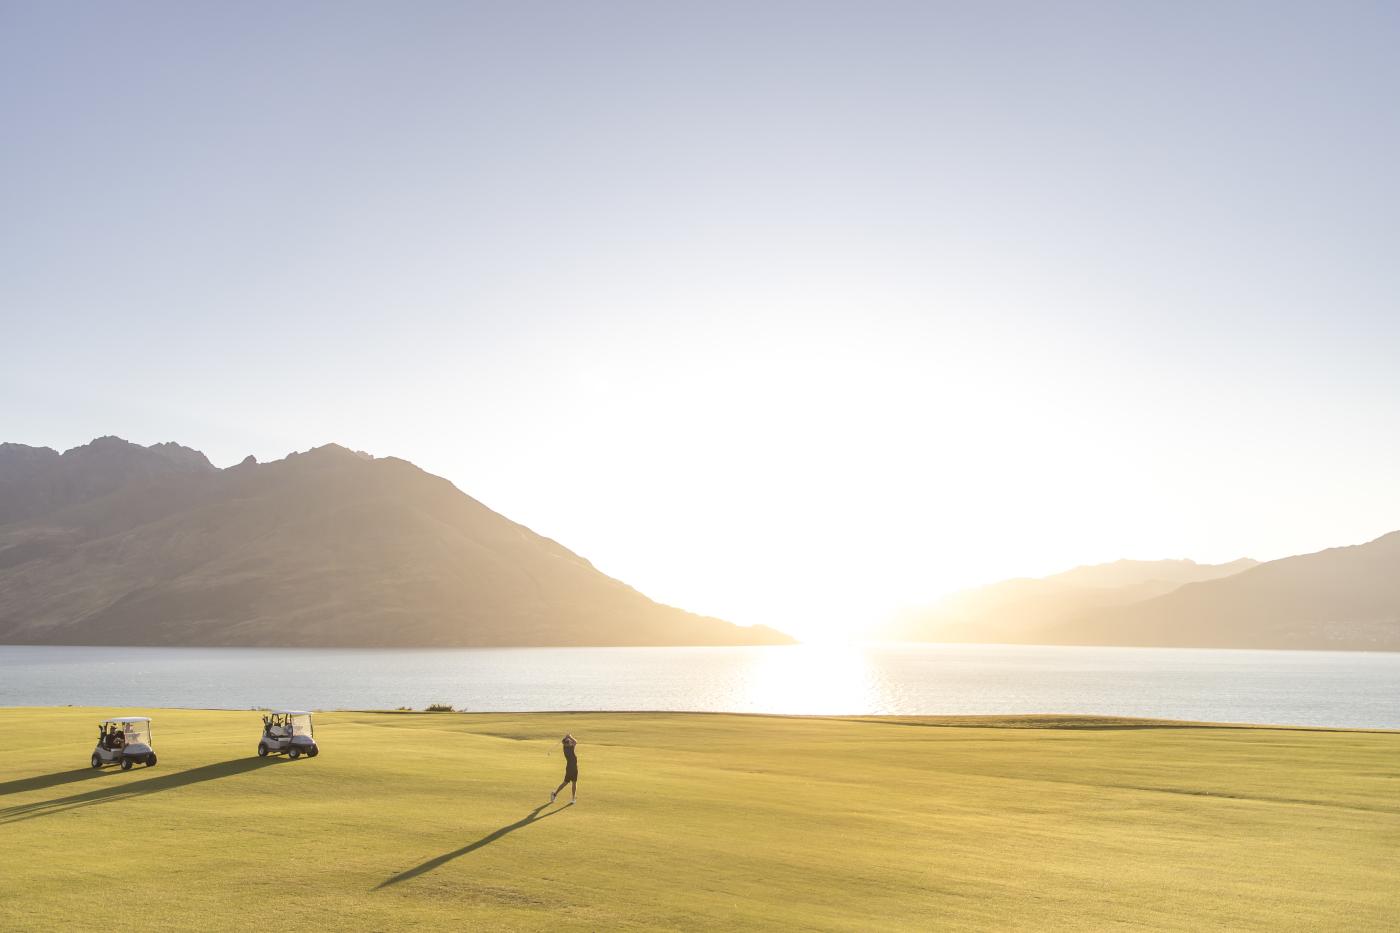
column 572, row 801
column 552, row 795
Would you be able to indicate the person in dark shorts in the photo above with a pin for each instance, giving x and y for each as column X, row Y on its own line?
column 570, row 770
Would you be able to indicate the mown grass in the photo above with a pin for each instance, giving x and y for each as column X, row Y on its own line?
column 417, row 821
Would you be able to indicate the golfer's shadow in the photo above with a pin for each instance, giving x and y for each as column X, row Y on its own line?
column 430, row 864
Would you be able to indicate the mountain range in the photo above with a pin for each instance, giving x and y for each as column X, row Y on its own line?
column 1345, row 598
column 112, row 543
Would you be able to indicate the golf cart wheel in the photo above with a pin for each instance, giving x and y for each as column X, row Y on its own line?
column 294, row 753
column 126, row 764
column 96, row 761
column 151, row 760
column 312, row 752
column 262, row 750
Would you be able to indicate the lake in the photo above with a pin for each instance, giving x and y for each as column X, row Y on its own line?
column 1318, row 688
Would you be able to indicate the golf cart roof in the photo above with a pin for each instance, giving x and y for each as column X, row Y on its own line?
column 128, row 719
column 289, row 712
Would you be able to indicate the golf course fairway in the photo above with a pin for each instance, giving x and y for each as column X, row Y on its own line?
column 686, row 821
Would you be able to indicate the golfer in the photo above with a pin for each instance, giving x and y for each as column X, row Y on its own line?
column 570, row 770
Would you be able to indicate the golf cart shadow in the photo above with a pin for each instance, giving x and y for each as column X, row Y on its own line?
column 41, row 781
column 127, row 789
column 532, row 817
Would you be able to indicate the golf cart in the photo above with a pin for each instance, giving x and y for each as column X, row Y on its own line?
column 287, row 730
column 125, row 741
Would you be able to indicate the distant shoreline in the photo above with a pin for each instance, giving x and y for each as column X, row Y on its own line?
column 873, row 643
column 1027, row 721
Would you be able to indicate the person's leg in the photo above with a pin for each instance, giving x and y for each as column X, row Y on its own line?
column 555, row 792
column 573, row 792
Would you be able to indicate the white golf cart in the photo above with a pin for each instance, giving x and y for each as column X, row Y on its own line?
column 287, row 730
column 125, row 741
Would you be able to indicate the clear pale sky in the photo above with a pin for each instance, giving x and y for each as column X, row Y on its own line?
column 784, row 312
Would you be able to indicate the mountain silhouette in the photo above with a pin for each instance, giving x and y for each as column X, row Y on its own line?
column 1023, row 609
column 38, row 480
column 117, row 544
column 1345, row 598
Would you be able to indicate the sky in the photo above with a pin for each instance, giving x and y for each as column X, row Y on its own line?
column 790, row 313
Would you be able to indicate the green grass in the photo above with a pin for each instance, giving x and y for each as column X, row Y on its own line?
column 416, row 821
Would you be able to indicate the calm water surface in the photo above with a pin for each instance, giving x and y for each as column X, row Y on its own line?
column 1322, row 688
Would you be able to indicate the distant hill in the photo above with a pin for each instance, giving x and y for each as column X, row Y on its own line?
column 1026, row 609
column 1345, row 598
column 1167, row 573
column 117, row 544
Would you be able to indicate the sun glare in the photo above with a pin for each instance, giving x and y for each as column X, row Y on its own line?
column 811, row 679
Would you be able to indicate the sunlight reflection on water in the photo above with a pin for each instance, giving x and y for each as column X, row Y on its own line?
column 810, row 679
